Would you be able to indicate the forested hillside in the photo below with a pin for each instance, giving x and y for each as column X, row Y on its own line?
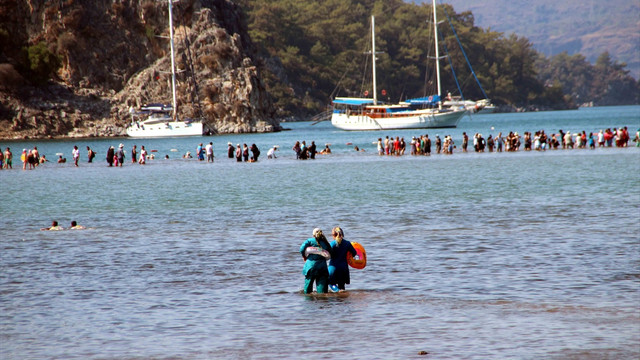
column 587, row 27
column 315, row 50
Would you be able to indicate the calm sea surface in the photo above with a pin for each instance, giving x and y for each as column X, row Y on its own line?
column 525, row 255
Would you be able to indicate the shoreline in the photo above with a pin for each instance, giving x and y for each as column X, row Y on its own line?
column 32, row 158
column 115, row 131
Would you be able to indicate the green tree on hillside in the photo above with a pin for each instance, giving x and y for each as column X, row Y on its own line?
column 605, row 83
column 43, row 63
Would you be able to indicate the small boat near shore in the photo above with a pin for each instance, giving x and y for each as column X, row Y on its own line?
column 156, row 120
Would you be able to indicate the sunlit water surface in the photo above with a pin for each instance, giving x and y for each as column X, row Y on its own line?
column 522, row 255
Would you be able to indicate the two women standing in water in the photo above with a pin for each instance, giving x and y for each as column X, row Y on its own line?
column 315, row 267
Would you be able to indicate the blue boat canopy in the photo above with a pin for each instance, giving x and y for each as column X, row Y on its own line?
column 428, row 100
column 352, row 101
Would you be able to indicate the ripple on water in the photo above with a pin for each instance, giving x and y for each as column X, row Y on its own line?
column 473, row 256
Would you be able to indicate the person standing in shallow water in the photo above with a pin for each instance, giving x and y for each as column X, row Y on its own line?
column 134, row 154
column 143, row 156
column 76, row 155
column 255, row 153
column 238, row 153
column 120, row 154
column 209, row 151
column 245, row 152
column 230, row 150
column 315, row 266
column 90, row 154
column 200, row 152
column 312, row 150
column 110, row 154
column 338, row 267
column 8, row 159
column 296, row 148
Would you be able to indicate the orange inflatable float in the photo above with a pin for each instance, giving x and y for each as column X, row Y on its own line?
column 360, row 260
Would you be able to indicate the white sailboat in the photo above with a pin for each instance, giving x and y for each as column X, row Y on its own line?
column 160, row 120
column 367, row 114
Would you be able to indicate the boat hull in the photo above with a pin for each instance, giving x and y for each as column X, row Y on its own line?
column 487, row 110
column 417, row 120
column 165, row 129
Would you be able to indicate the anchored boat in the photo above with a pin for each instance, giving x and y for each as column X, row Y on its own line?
column 367, row 114
column 160, row 120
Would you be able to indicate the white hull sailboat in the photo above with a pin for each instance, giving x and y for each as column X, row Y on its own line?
column 160, row 120
column 360, row 114
column 423, row 113
column 165, row 129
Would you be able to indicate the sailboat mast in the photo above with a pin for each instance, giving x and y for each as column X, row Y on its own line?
column 373, row 58
column 173, row 61
column 435, row 31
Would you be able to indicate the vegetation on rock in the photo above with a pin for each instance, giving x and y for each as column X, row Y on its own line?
column 73, row 68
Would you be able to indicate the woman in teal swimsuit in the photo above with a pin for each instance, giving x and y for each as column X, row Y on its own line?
column 315, row 266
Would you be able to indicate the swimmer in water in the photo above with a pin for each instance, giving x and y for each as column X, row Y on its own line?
column 75, row 226
column 54, row 226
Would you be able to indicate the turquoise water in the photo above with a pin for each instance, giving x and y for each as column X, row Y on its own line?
column 472, row 256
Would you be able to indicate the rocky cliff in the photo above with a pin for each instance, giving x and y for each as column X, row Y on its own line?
column 109, row 56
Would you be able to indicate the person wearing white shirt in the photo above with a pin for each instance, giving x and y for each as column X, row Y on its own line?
column 76, row 155
column 209, row 150
column 601, row 139
column 271, row 154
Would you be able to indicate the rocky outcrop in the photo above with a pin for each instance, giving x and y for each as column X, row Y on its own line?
column 115, row 54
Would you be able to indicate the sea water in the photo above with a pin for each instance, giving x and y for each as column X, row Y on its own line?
column 522, row 255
